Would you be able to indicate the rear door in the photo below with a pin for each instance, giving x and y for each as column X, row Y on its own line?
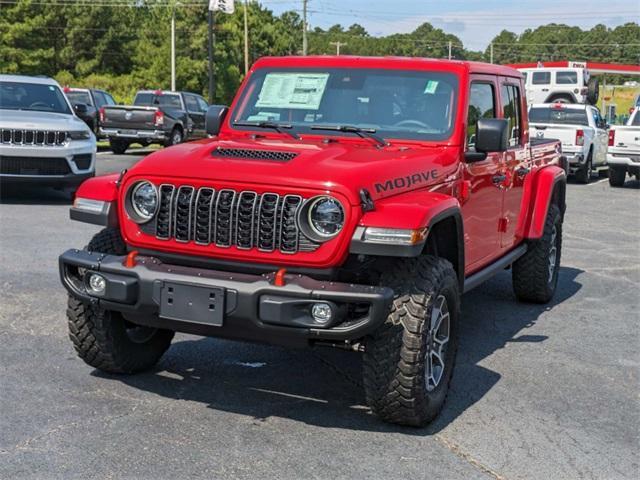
column 196, row 115
column 483, row 208
column 517, row 160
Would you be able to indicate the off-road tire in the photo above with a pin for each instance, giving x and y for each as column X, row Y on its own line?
column 103, row 338
column 118, row 147
column 583, row 175
column 617, row 176
column 532, row 281
column 394, row 362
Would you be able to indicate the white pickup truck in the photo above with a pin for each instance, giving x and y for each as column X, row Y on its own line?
column 581, row 130
column 624, row 150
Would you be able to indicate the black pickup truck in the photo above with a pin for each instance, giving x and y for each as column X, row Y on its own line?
column 156, row 116
column 87, row 102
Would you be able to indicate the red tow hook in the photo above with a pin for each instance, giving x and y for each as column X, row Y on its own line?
column 130, row 261
column 278, row 280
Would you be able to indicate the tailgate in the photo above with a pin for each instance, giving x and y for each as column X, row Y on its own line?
column 565, row 133
column 129, row 117
column 627, row 138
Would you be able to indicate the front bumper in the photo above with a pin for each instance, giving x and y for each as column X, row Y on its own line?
column 227, row 305
column 79, row 155
column 133, row 134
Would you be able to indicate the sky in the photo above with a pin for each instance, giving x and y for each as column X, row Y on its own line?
column 475, row 22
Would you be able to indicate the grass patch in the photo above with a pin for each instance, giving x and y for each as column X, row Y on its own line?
column 622, row 97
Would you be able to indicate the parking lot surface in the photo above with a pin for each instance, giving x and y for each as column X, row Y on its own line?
column 539, row 391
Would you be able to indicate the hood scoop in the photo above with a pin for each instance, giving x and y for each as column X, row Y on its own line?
column 254, row 154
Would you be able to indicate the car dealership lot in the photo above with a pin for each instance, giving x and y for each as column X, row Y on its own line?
column 539, row 391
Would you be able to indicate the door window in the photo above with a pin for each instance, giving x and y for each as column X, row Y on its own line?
column 511, row 111
column 202, row 104
column 541, row 78
column 482, row 104
column 109, row 99
column 192, row 104
column 100, row 100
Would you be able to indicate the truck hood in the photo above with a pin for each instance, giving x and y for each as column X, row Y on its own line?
column 30, row 120
column 343, row 166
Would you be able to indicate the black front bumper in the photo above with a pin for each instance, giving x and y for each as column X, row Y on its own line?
column 223, row 304
column 70, row 180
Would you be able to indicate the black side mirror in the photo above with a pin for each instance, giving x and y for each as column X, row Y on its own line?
column 81, row 109
column 492, row 135
column 214, row 117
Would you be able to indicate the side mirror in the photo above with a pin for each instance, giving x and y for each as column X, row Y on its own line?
column 492, row 135
column 214, row 117
column 80, row 109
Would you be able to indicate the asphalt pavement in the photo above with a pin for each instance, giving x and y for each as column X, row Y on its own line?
column 538, row 392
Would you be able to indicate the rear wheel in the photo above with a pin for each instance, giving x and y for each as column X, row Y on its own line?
column 104, row 339
column 617, row 176
column 118, row 146
column 584, row 174
column 535, row 274
column 408, row 362
column 175, row 138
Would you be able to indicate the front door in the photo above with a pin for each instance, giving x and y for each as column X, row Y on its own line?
column 517, row 162
column 483, row 207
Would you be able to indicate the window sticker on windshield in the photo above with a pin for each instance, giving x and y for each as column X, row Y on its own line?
column 292, row 90
column 431, row 87
column 264, row 117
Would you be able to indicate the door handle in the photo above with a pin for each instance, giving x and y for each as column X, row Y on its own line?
column 498, row 179
column 522, row 171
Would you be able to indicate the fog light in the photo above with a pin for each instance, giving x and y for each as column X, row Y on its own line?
column 321, row 312
column 97, row 283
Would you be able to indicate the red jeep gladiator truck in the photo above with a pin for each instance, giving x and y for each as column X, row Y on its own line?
column 341, row 201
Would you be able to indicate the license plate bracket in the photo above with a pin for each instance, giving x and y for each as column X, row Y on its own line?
column 192, row 303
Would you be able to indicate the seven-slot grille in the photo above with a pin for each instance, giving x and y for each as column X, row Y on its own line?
column 33, row 137
column 225, row 218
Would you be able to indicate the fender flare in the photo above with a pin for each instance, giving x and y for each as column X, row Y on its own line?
column 411, row 211
column 540, row 196
column 102, row 194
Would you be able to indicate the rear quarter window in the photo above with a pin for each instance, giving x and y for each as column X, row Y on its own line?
column 566, row 78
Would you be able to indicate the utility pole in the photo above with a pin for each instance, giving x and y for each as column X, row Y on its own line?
column 491, row 53
column 304, row 27
column 246, row 40
column 338, row 45
column 449, row 49
column 173, row 48
column 210, row 25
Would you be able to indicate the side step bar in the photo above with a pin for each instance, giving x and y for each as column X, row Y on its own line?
column 489, row 271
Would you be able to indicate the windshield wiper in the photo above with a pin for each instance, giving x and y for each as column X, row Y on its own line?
column 278, row 127
column 361, row 132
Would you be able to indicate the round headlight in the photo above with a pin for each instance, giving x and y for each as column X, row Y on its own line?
column 325, row 216
column 144, row 200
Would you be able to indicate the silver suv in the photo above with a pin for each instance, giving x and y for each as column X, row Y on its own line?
column 42, row 140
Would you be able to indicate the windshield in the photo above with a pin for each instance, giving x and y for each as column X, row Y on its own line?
column 416, row 105
column 32, row 96
column 79, row 97
column 152, row 100
column 558, row 116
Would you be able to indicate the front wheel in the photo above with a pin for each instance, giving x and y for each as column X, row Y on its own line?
column 408, row 362
column 104, row 339
column 535, row 274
